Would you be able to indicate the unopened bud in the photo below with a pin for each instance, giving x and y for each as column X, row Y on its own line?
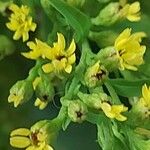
column 77, row 111
column 107, row 16
column 95, row 75
column 93, row 100
column 109, row 58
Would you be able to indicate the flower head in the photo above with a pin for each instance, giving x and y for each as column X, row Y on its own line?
column 61, row 59
column 20, row 22
column 114, row 111
column 129, row 50
column 20, row 92
column 131, row 11
column 31, row 139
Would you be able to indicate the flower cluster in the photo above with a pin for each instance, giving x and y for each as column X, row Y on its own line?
column 20, row 22
column 93, row 84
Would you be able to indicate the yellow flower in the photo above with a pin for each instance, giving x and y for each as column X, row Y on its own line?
column 20, row 22
column 61, row 59
column 131, row 11
column 25, row 138
column 94, row 74
column 129, row 50
column 114, row 111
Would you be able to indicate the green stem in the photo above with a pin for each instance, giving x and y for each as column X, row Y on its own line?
column 33, row 73
column 112, row 93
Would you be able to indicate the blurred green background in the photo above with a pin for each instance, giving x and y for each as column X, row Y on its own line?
column 15, row 67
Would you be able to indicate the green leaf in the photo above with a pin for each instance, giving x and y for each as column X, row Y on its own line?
column 107, row 139
column 128, row 88
column 76, row 19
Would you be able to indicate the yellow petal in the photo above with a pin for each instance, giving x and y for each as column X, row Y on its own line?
column 21, row 132
column 25, row 36
column 134, row 8
column 36, row 82
column 105, row 107
column 68, row 69
column 72, row 59
column 17, row 35
column 121, row 118
column 133, row 18
column 71, row 48
column 146, row 94
column 47, row 68
column 61, row 41
column 122, row 38
column 20, row 142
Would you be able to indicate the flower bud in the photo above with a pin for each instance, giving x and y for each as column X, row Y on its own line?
column 93, row 100
column 109, row 58
column 77, row 111
column 76, row 3
column 95, row 75
column 20, row 92
column 44, row 91
column 107, row 16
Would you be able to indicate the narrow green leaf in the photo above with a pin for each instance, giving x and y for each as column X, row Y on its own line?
column 128, row 88
column 75, row 18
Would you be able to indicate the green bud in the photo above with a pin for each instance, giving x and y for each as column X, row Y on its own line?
column 109, row 58
column 95, row 75
column 108, row 16
column 93, row 100
column 20, row 92
column 44, row 92
column 76, row 3
column 77, row 111
column 6, row 46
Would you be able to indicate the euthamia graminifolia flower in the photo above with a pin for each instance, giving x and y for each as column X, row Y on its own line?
column 95, row 74
column 36, row 138
column 129, row 50
column 131, row 11
column 114, row 111
column 20, row 92
column 60, row 59
column 20, row 22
